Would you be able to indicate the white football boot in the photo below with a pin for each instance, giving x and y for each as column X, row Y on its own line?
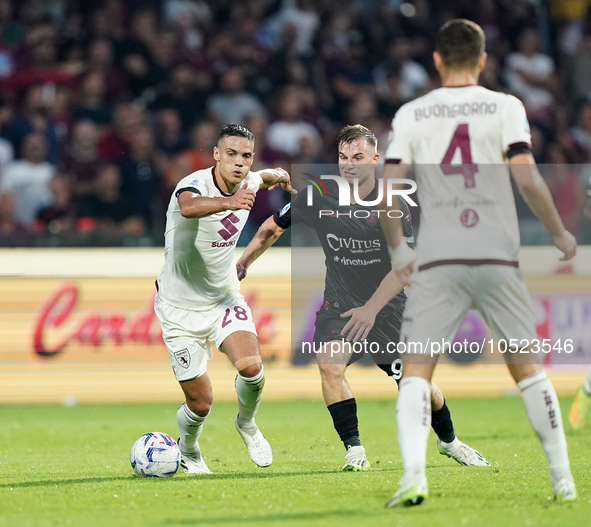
column 411, row 493
column 192, row 462
column 259, row 449
column 565, row 490
column 356, row 460
column 462, row 453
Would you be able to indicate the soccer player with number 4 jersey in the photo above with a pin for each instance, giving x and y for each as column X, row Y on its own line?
column 465, row 143
column 198, row 299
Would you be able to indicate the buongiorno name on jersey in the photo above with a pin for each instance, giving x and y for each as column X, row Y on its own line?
column 459, row 140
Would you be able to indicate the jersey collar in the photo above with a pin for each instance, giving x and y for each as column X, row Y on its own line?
column 461, row 86
column 215, row 182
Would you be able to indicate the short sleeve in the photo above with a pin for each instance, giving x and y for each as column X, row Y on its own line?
column 301, row 212
column 192, row 184
column 254, row 181
column 516, row 135
column 399, row 147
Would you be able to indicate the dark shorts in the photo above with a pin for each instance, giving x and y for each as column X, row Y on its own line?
column 385, row 331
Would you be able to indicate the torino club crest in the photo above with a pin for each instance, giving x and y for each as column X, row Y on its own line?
column 183, row 358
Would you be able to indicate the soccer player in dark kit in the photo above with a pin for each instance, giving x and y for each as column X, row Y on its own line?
column 363, row 297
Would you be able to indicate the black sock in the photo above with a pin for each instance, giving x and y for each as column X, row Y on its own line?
column 344, row 418
column 442, row 424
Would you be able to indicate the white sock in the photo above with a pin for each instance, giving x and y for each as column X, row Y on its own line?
column 413, row 416
column 250, row 392
column 587, row 384
column 190, row 426
column 543, row 411
column 450, row 447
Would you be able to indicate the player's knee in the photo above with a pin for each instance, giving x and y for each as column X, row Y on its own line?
column 249, row 367
column 251, row 371
column 331, row 372
column 200, row 408
column 200, row 405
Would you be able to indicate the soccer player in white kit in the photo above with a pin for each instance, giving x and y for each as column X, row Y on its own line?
column 198, row 299
column 464, row 142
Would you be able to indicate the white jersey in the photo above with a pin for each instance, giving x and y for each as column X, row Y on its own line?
column 459, row 140
column 199, row 269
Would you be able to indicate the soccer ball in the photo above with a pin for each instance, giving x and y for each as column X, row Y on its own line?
column 155, row 455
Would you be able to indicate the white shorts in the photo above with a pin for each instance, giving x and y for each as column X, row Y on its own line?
column 187, row 333
column 440, row 297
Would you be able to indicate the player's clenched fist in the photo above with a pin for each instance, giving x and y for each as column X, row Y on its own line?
column 243, row 199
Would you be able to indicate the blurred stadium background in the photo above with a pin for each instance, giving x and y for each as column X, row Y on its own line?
column 106, row 105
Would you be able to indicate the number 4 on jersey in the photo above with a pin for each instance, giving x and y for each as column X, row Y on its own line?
column 461, row 140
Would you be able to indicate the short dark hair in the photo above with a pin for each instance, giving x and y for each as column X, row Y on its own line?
column 460, row 42
column 349, row 133
column 235, row 130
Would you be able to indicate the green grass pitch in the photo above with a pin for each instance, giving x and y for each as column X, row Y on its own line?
column 69, row 466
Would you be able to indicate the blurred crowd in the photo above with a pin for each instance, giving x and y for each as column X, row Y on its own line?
column 106, row 104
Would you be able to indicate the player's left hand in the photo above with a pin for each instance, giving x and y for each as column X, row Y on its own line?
column 278, row 174
column 567, row 243
column 359, row 325
column 240, row 270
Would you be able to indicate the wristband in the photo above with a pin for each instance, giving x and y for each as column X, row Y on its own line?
column 401, row 256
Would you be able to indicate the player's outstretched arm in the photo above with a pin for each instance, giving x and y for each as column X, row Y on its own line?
column 266, row 236
column 274, row 178
column 535, row 192
column 401, row 254
column 193, row 205
column 363, row 318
